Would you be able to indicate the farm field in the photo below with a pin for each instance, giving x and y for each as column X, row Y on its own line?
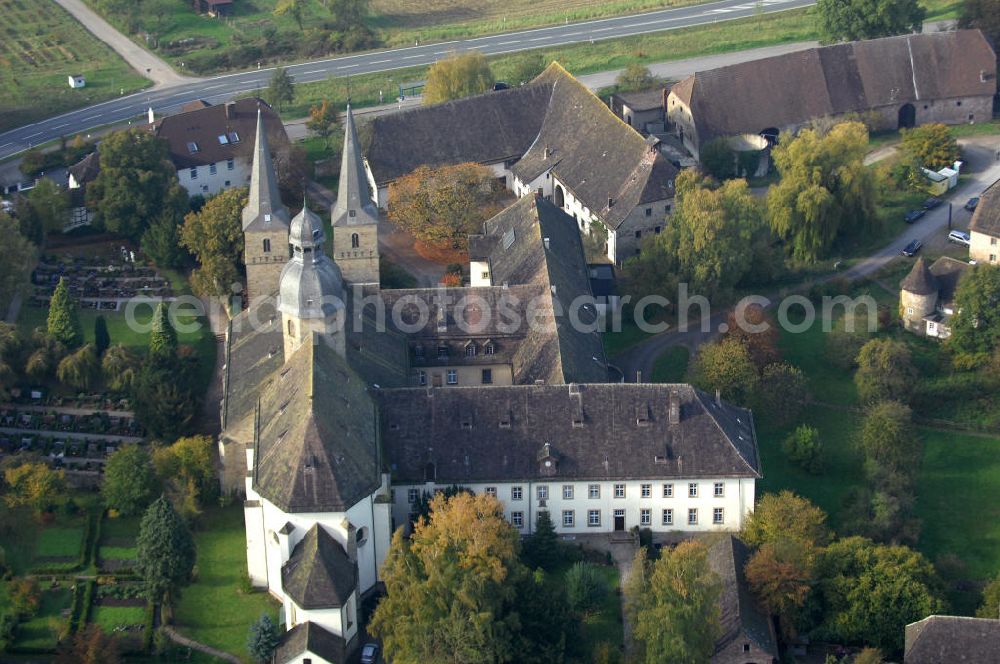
column 41, row 46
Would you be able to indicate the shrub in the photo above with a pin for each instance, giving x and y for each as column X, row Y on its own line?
column 804, row 449
column 585, row 587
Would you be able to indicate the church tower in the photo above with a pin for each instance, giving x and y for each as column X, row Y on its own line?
column 311, row 295
column 265, row 223
column 355, row 216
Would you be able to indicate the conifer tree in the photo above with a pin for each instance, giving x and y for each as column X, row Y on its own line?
column 163, row 339
column 102, row 339
column 63, row 322
column 166, row 552
column 263, row 639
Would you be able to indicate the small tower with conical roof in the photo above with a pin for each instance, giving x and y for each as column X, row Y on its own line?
column 265, row 223
column 355, row 216
column 311, row 292
column 918, row 295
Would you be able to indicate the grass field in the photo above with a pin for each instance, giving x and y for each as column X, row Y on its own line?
column 39, row 633
column 60, row 542
column 605, row 624
column 110, row 617
column 214, row 609
column 671, row 367
column 41, row 45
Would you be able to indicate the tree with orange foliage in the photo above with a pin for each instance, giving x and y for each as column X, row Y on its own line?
column 442, row 206
column 781, row 574
column 755, row 329
column 323, row 121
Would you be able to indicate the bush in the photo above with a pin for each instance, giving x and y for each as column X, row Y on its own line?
column 585, row 587
column 804, row 449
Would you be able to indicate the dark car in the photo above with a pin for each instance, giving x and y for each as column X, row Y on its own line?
column 912, row 248
column 971, row 204
column 932, row 203
column 369, row 653
column 913, row 215
column 500, row 85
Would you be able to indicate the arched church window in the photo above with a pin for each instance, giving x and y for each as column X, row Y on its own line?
column 355, row 241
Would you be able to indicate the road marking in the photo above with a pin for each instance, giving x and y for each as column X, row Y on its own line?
column 315, row 71
column 508, row 42
column 379, row 62
column 604, row 29
column 5, row 145
column 28, row 138
column 61, row 126
column 348, row 66
column 410, row 57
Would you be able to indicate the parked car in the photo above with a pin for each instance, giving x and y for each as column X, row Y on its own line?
column 959, row 237
column 971, row 204
column 500, row 85
column 369, row 653
column 913, row 215
column 912, row 248
column 932, row 203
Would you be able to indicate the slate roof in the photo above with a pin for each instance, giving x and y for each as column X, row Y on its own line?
column 919, row 281
column 598, row 432
column 952, row 639
column 86, row 169
column 488, row 128
column 593, row 153
column 264, row 209
column 947, row 273
column 644, row 100
column 741, row 617
column 253, row 353
column 986, row 218
column 560, row 269
column 315, row 434
column 203, row 126
column 793, row 88
column 310, row 637
column 354, row 206
column 319, row 574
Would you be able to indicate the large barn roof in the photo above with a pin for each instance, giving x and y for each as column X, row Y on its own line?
column 795, row 87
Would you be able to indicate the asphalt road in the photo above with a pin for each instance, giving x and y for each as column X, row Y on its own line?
column 168, row 99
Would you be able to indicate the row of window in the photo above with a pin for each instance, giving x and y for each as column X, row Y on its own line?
column 451, row 375
column 212, row 169
column 471, row 350
column 645, row 517
column 593, row 490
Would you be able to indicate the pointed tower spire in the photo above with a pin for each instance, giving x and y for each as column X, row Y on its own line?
column 264, row 204
column 355, row 215
column 354, row 205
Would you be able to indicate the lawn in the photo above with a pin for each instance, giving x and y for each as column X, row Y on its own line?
column 214, row 609
column 616, row 343
column 38, row 633
column 60, row 542
column 605, row 625
column 111, row 617
column 41, row 46
column 671, row 367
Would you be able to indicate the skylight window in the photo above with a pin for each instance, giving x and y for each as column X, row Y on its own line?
column 192, row 147
column 223, row 140
column 508, row 239
column 234, row 137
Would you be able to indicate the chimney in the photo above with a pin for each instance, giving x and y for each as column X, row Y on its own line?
column 545, row 153
column 718, row 397
column 675, row 407
column 149, row 114
column 545, row 241
column 230, row 110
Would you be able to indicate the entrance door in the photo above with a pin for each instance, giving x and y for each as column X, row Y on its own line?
column 907, row 116
column 436, row 379
column 619, row 520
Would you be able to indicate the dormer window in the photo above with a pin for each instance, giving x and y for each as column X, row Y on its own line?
column 234, row 137
column 470, row 350
column 443, row 352
column 315, row 235
column 489, row 348
column 223, row 140
column 192, row 147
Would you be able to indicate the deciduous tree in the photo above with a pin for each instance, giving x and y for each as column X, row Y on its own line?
column 443, row 206
column 323, row 121
column 526, row 67
column 281, row 89
column 46, row 210
column 215, row 236
column 785, row 515
column 870, row 592
column 782, row 392
column 889, row 440
column 851, row 20
column 451, row 586
column 294, row 8
column 825, row 193
column 165, row 551
column 990, row 608
column 349, row 15
column 975, row 327
column 585, row 587
column 33, row 485
column 781, row 574
column 80, row 369
column 725, row 366
column 120, row 367
column 459, row 75
column 677, row 611
column 63, row 320
column 129, row 484
column 885, row 371
column 18, row 262
column 635, row 77
column 931, row 146
column 804, row 449
column 187, row 470
column 136, row 184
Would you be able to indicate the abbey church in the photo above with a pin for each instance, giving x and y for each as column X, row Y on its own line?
column 344, row 403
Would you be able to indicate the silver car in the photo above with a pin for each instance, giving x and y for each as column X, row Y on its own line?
column 959, row 237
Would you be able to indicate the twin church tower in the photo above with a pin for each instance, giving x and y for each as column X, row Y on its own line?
column 286, row 256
